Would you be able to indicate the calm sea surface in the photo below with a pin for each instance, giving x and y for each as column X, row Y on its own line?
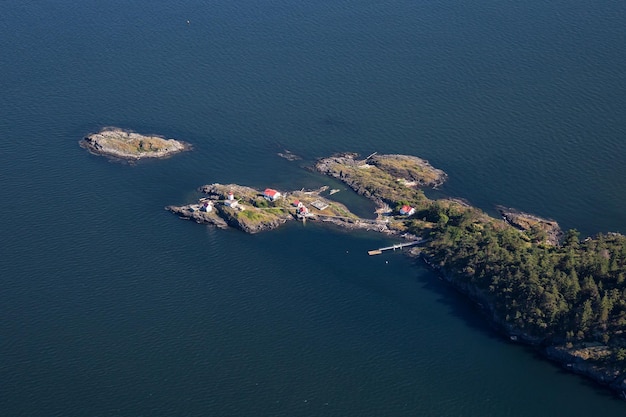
column 110, row 306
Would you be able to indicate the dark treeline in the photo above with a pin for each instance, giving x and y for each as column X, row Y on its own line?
column 568, row 293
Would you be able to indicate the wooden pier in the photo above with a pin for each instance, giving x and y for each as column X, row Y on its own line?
column 393, row 247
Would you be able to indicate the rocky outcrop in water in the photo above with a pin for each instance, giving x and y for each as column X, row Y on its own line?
column 543, row 229
column 126, row 145
column 194, row 212
column 582, row 359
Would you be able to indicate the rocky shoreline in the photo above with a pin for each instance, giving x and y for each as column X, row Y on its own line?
column 120, row 144
column 547, row 229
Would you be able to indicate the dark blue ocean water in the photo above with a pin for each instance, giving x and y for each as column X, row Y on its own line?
column 110, row 306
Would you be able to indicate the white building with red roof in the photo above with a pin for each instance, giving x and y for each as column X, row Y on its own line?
column 407, row 210
column 271, row 194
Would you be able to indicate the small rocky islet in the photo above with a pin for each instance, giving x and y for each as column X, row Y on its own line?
column 121, row 144
column 536, row 284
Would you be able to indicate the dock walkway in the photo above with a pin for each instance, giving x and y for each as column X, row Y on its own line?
column 394, row 247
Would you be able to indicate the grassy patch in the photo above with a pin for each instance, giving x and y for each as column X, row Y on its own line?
column 251, row 215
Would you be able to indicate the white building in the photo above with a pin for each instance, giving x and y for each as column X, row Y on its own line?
column 407, row 210
column 230, row 200
column 271, row 194
column 231, row 203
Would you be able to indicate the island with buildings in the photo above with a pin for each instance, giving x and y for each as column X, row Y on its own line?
column 536, row 284
column 121, row 144
column 253, row 211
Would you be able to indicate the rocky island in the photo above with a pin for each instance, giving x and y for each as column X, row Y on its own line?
column 126, row 145
column 536, row 284
column 253, row 211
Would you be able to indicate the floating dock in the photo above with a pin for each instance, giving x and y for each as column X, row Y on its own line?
column 393, row 247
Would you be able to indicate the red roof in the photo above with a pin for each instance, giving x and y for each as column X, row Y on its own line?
column 296, row 203
column 269, row 192
column 406, row 208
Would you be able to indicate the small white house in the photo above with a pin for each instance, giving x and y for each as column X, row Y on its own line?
column 407, row 210
column 207, row 206
column 231, row 203
column 270, row 194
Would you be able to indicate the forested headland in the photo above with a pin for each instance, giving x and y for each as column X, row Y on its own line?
column 551, row 289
